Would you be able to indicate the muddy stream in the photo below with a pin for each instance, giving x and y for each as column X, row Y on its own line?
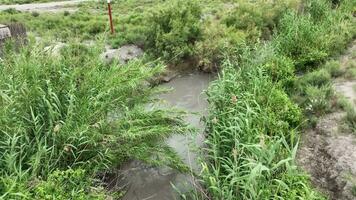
column 144, row 182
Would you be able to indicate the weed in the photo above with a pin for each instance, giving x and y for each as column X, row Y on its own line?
column 333, row 67
column 353, row 190
column 55, row 114
column 350, row 70
column 173, row 32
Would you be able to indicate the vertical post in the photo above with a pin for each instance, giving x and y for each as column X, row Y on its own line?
column 110, row 17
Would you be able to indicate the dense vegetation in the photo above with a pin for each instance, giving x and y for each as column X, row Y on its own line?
column 66, row 118
column 59, row 126
column 253, row 124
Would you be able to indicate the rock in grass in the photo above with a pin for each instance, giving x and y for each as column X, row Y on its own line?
column 55, row 49
column 4, row 32
column 123, row 54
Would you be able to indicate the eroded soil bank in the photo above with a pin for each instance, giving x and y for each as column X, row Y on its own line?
column 141, row 181
column 328, row 152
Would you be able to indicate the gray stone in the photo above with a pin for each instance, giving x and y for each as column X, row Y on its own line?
column 123, row 54
column 55, row 49
column 4, row 32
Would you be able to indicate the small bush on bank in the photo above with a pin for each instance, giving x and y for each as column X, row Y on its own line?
column 333, row 67
column 258, row 18
column 316, row 78
column 302, row 40
column 319, row 32
column 318, row 99
column 174, row 32
column 227, row 42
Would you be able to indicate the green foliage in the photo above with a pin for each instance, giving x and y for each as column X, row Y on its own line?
column 69, row 184
column 353, row 190
column 252, row 123
column 316, row 78
column 308, row 40
column 226, row 42
column 318, row 99
column 351, row 118
column 279, row 68
column 248, row 159
column 174, row 32
column 257, row 18
column 74, row 111
column 333, row 67
column 302, row 40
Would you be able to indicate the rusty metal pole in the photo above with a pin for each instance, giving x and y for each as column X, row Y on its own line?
column 110, row 17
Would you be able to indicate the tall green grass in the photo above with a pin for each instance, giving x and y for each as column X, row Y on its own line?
column 253, row 124
column 74, row 112
column 252, row 139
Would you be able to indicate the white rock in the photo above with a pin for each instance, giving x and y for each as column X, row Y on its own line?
column 55, row 49
column 123, row 54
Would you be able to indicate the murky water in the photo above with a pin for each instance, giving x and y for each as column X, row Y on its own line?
column 143, row 182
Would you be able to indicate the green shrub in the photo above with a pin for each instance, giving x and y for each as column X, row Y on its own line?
column 226, row 43
column 333, row 67
column 317, row 78
column 279, row 68
column 257, row 18
column 173, row 32
column 318, row 99
column 69, row 184
column 318, row 9
column 284, row 109
column 35, row 14
column 302, row 40
column 353, row 190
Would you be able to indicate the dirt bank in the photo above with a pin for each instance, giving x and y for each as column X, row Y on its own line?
column 328, row 152
column 58, row 6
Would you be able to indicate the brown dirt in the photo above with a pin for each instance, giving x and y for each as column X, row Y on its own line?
column 328, row 152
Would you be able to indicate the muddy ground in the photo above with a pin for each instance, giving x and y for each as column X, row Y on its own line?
column 328, row 152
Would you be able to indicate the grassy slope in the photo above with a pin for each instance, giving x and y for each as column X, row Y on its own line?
column 253, row 124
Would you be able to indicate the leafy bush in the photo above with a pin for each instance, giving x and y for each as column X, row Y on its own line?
column 333, row 67
column 317, row 78
column 226, row 42
column 174, row 32
column 302, row 40
column 258, row 18
column 69, row 184
column 279, row 68
column 311, row 37
column 318, row 99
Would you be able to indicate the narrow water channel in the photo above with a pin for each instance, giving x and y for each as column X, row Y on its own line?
column 143, row 182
